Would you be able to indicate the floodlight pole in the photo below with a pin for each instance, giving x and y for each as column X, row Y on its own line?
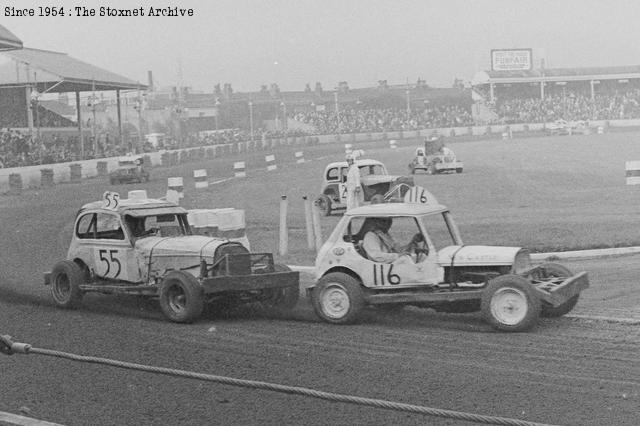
column 79, row 118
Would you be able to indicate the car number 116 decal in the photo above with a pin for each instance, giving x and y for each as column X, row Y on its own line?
column 383, row 275
column 107, row 263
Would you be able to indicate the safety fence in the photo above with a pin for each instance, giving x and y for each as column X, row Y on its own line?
column 9, row 347
column 14, row 180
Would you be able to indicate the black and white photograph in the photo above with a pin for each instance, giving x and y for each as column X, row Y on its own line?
column 356, row 212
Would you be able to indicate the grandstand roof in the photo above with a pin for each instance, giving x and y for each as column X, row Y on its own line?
column 58, row 72
column 557, row 74
column 8, row 40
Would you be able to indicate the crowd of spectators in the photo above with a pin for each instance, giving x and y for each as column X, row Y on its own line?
column 18, row 149
column 385, row 119
column 572, row 106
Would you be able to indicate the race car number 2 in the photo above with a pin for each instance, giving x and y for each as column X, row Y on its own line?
column 383, row 275
column 107, row 263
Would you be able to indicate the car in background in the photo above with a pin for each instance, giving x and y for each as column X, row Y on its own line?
column 130, row 170
column 377, row 184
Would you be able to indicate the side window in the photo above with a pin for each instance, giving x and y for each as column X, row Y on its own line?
column 108, row 227
column 332, row 174
column 403, row 229
column 86, row 227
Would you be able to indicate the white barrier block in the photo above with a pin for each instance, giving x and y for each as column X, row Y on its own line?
column 239, row 169
column 392, row 143
column 600, row 130
column 200, row 176
column 299, row 157
column 632, row 169
column 137, row 194
column 271, row 162
column 348, row 148
column 175, row 184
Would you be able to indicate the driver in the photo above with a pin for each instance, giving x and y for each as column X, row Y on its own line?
column 136, row 226
column 380, row 246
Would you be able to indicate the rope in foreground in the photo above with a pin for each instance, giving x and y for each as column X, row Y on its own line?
column 8, row 347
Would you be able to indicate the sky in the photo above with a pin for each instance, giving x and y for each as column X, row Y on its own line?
column 249, row 43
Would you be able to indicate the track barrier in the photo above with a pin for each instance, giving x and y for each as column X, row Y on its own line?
column 101, row 168
column 271, row 162
column 299, row 156
column 600, row 130
column 75, row 175
column 9, row 347
column 239, row 169
column 200, row 177
column 46, row 178
column 632, row 171
column 392, row 144
column 176, row 184
column 15, row 183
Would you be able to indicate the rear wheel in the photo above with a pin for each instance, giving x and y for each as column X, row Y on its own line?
column 181, row 297
column 509, row 303
column 66, row 278
column 459, row 170
column 338, row 298
column 324, row 204
column 555, row 270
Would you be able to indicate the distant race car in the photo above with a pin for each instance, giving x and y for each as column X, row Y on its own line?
column 443, row 161
column 145, row 247
column 377, row 184
column 130, row 170
column 437, row 271
column 563, row 127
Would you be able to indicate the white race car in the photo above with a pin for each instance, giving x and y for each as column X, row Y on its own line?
column 439, row 271
column 145, row 247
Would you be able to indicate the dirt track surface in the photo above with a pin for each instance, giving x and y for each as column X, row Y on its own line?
column 572, row 371
column 567, row 371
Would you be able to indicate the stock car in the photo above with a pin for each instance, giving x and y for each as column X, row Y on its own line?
column 377, row 184
column 130, row 170
column 443, row 161
column 145, row 247
column 438, row 272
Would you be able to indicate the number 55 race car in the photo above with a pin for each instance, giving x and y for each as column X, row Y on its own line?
column 436, row 270
column 145, row 247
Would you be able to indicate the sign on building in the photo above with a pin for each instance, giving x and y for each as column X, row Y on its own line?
column 511, row 59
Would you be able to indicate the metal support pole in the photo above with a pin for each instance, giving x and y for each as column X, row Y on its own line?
column 79, row 118
column 308, row 219
column 120, row 141
column 284, row 234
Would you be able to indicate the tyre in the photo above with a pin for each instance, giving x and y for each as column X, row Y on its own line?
column 509, row 303
column 556, row 270
column 431, row 170
column 324, row 204
column 338, row 298
column 377, row 199
column 282, row 298
column 181, row 297
column 459, row 170
column 66, row 278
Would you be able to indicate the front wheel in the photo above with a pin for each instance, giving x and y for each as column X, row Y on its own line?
column 459, row 170
column 509, row 303
column 181, row 297
column 66, row 278
column 338, row 298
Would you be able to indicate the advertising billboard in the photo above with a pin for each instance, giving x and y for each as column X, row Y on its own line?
column 511, row 59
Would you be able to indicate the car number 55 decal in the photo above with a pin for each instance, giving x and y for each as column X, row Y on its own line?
column 107, row 263
column 382, row 277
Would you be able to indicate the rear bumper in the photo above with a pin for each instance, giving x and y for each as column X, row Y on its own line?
column 566, row 290
column 227, row 283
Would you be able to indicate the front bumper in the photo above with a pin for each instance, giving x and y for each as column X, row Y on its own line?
column 558, row 294
column 227, row 283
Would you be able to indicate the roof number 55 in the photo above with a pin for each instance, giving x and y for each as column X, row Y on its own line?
column 111, row 262
column 111, row 200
